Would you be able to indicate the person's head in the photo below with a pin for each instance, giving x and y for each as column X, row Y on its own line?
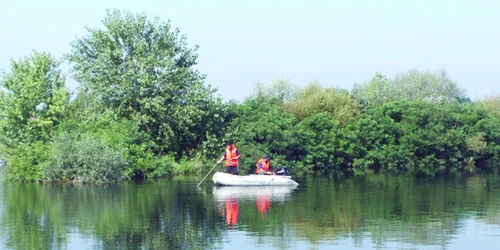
column 229, row 144
column 266, row 157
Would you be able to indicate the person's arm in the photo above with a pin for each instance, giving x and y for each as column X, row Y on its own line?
column 222, row 158
column 239, row 154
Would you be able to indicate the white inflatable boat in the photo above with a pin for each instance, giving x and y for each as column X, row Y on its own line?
column 225, row 179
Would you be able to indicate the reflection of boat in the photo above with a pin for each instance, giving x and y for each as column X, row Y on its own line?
column 225, row 179
column 278, row 193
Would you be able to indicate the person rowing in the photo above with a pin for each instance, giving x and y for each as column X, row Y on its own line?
column 231, row 155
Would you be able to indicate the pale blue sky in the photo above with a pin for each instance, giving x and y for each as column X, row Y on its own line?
column 338, row 43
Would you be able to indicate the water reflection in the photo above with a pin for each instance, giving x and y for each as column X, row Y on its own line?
column 230, row 197
column 263, row 204
column 232, row 212
column 152, row 215
column 353, row 213
column 275, row 193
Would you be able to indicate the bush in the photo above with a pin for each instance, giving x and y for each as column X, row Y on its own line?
column 424, row 138
column 119, row 135
column 26, row 162
column 187, row 166
column 84, row 158
column 163, row 166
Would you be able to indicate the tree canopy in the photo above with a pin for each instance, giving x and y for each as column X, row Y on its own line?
column 143, row 70
column 434, row 87
column 33, row 99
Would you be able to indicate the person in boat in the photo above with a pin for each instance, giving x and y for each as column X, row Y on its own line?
column 231, row 155
column 264, row 165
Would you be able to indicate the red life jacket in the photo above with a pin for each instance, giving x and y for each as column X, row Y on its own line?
column 231, row 153
column 265, row 165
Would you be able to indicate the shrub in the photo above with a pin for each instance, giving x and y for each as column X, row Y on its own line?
column 26, row 162
column 120, row 135
column 84, row 158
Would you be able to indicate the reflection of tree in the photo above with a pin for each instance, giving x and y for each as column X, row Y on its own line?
column 405, row 209
column 27, row 222
column 150, row 216
column 175, row 215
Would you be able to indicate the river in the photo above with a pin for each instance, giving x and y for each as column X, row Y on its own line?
column 371, row 212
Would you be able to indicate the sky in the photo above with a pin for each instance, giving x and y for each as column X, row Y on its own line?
column 337, row 43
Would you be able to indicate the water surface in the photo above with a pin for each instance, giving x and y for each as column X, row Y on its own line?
column 373, row 212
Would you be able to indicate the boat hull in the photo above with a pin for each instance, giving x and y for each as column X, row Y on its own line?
column 225, row 179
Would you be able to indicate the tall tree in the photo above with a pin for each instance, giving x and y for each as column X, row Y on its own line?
column 33, row 99
column 143, row 70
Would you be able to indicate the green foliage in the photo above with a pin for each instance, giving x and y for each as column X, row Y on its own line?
column 410, row 136
column 489, row 131
column 27, row 162
column 421, row 137
column 263, row 129
column 33, row 100
column 161, row 166
column 142, row 70
column 84, row 158
column 376, row 92
column 476, row 143
column 142, row 102
column 120, row 135
column 433, row 87
column 216, row 140
column 315, row 99
column 491, row 103
column 319, row 140
column 412, row 85
column 280, row 89
column 186, row 166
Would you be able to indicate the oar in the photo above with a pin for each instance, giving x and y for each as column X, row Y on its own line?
column 208, row 173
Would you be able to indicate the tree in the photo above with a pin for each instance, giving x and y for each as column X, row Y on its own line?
column 376, row 92
column 281, row 89
column 263, row 128
column 491, row 103
column 143, row 70
column 33, row 100
column 315, row 98
column 412, row 85
column 434, row 87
